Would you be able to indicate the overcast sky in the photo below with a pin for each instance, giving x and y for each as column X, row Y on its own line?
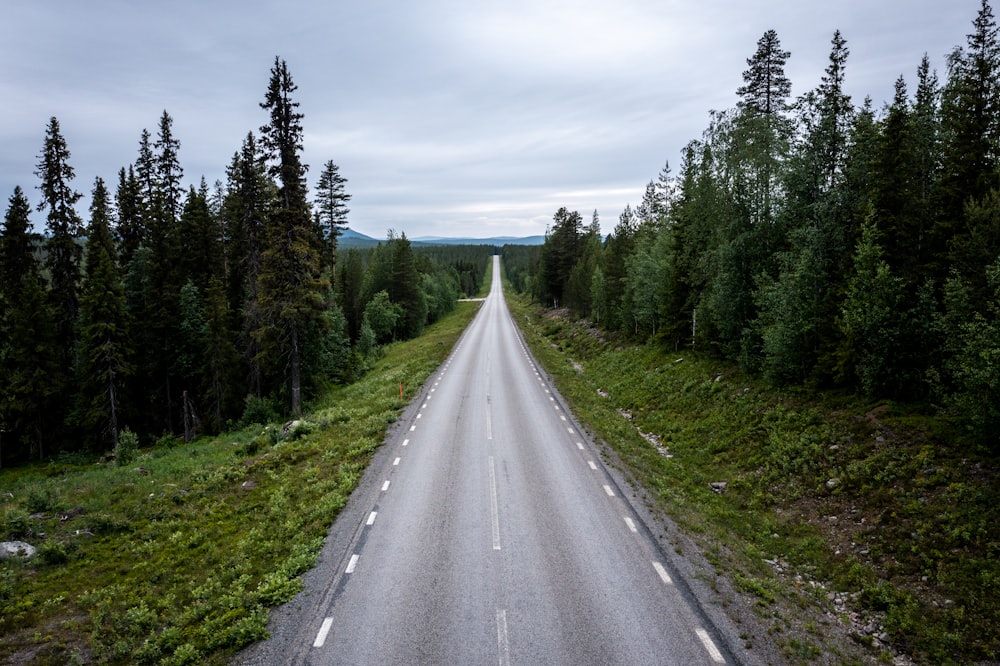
column 463, row 118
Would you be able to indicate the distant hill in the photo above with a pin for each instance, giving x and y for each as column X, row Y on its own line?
column 350, row 238
column 496, row 240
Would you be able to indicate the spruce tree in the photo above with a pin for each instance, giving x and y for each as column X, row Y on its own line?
column 290, row 287
column 104, row 349
column 29, row 362
column 129, row 229
column 331, row 209
column 405, row 289
column 65, row 229
column 250, row 193
column 971, row 152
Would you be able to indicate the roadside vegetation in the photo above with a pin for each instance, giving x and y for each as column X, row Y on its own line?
column 817, row 505
column 175, row 556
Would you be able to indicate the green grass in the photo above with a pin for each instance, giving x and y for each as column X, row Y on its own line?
column 875, row 499
column 176, row 557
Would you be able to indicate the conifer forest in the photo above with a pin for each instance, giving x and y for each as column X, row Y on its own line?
column 819, row 241
column 169, row 312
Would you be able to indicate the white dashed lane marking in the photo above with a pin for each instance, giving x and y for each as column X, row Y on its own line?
column 323, row 631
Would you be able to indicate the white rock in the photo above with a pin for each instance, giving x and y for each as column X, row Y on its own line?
column 16, row 549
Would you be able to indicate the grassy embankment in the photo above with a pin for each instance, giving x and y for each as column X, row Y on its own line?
column 176, row 557
column 855, row 510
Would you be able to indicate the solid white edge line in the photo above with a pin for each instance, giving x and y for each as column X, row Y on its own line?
column 352, row 565
column 323, row 631
column 709, row 644
column 371, row 518
column 664, row 576
column 503, row 644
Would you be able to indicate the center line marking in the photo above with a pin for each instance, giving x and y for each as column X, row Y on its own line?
column 631, row 525
column 710, row 646
column 395, row 462
column 503, row 645
column 371, row 518
column 494, row 511
column 352, row 565
column 405, row 442
column 385, row 486
column 489, row 423
column 413, row 427
column 608, row 490
column 664, row 576
column 323, row 631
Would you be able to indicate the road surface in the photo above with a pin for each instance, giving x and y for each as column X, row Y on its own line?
column 491, row 533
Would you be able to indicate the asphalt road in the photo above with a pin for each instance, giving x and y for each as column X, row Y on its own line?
column 490, row 532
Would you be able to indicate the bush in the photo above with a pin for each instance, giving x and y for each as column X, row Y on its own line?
column 14, row 523
column 40, row 499
column 52, row 552
column 127, row 448
column 259, row 410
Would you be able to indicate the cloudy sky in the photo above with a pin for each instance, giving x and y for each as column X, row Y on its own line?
column 462, row 118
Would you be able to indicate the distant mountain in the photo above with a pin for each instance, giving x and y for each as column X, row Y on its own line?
column 496, row 240
column 349, row 238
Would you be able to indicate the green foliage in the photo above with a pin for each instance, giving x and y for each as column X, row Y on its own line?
column 127, row 448
column 870, row 317
column 381, row 316
column 865, row 498
column 179, row 560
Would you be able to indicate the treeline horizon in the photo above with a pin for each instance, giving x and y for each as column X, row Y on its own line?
column 171, row 312
column 814, row 241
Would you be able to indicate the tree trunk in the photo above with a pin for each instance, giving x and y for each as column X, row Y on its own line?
column 296, row 379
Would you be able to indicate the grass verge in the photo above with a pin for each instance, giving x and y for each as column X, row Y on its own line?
column 825, row 510
column 177, row 557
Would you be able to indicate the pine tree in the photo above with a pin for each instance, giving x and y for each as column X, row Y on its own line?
column 766, row 87
column 290, row 288
column 104, row 331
